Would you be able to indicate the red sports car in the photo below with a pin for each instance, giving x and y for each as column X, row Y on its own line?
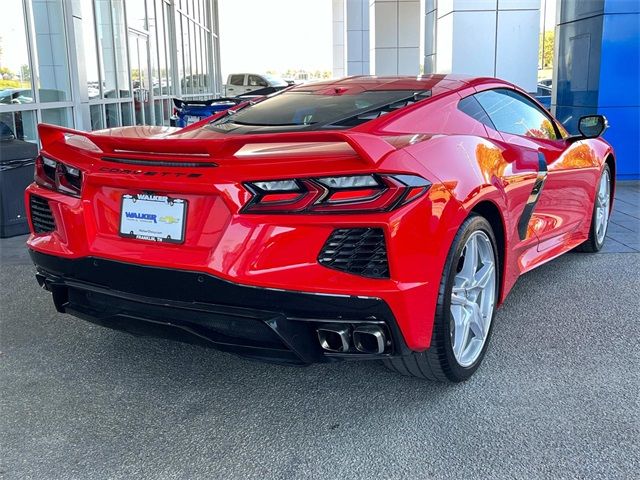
column 362, row 218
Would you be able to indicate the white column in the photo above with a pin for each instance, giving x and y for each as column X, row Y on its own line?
column 394, row 37
column 356, row 23
column 496, row 38
column 430, row 17
column 338, row 8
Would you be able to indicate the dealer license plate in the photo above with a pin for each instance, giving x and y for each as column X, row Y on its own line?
column 189, row 119
column 154, row 218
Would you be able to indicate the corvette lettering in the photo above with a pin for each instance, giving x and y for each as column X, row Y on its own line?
column 128, row 171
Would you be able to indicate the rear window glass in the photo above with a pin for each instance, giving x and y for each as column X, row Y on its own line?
column 307, row 108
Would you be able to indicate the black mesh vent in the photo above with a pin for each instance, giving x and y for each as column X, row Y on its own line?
column 361, row 251
column 41, row 216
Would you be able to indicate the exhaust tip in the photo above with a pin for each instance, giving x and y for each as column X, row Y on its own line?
column 334, row 339
column 369, row 339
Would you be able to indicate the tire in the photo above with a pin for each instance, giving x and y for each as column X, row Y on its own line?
column 439, row 362
column 595, row 242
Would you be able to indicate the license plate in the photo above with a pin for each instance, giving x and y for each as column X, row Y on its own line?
column 154, row 218
column 189, row 119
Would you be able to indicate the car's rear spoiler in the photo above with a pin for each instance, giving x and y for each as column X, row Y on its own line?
column 157, row 140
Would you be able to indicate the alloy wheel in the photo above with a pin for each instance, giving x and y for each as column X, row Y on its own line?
column 603, row 205
column 473, row 298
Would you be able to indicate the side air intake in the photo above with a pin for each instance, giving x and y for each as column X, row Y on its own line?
column 41, row 216
column 360, row 251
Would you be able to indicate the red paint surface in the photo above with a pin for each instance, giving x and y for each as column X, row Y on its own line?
column 466, row 163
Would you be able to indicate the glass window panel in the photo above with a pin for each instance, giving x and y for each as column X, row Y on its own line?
column 15, row 73
column 168, row 62
column 97, row 120
column 186, row 83
column 195, row 57
column 167, row 109
column 138, row 76
column 190, row 59
column 58, row 116
column 513, row 113
column 186, row 80
column 178, row 41
column 137, row 14
column 153, row 49
column 144, row 96
column 22, row 125
column 205, row 13
column 127, row 115
column 90, row 49
column 157, row 107
column 106, row 52
column 51, row 46
column 162, row 52
column 112, row 115
column 205, row 65
column 120, row 48
column 193, row 49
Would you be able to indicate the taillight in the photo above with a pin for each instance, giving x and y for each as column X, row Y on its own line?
column 58, row 176
column 344, row 194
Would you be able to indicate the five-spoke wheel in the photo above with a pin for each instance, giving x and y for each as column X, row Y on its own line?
column 473, row 298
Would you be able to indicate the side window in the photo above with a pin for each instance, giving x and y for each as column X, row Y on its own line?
column 237, row 80
column 472, row 107
column 514, row 113
column 255, row 81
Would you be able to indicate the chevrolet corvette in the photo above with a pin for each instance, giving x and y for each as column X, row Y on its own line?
column 363, row 218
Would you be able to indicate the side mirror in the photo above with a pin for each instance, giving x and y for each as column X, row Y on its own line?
column 592, row 126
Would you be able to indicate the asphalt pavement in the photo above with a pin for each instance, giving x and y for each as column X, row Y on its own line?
column 557, row 396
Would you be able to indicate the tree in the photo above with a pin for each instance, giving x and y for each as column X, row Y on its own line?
column 545, row 49
column 25, row 72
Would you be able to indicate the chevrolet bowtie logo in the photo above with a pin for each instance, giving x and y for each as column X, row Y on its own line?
column 169, row 219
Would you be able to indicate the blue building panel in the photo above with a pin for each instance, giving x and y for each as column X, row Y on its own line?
column 619, row 93
column 598, row 70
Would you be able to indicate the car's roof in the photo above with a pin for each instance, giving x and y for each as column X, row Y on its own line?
column 419, row 82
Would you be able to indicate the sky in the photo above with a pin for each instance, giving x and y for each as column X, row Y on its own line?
column 261, row 35
column 12, row 36
column 547, row 14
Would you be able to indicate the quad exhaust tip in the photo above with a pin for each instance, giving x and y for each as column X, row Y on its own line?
column 369, row 339
column 334, row 339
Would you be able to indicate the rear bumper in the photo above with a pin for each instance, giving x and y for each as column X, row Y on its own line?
column 266, row 324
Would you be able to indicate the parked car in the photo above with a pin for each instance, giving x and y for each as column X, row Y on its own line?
column 358, row 219
column 16, row 96
column 253, row 83
column 186, row 112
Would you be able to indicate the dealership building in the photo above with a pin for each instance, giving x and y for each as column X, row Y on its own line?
column 93, row 64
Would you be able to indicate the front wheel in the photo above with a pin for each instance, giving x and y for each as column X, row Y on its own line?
column 600, row 215
column 466, row 307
